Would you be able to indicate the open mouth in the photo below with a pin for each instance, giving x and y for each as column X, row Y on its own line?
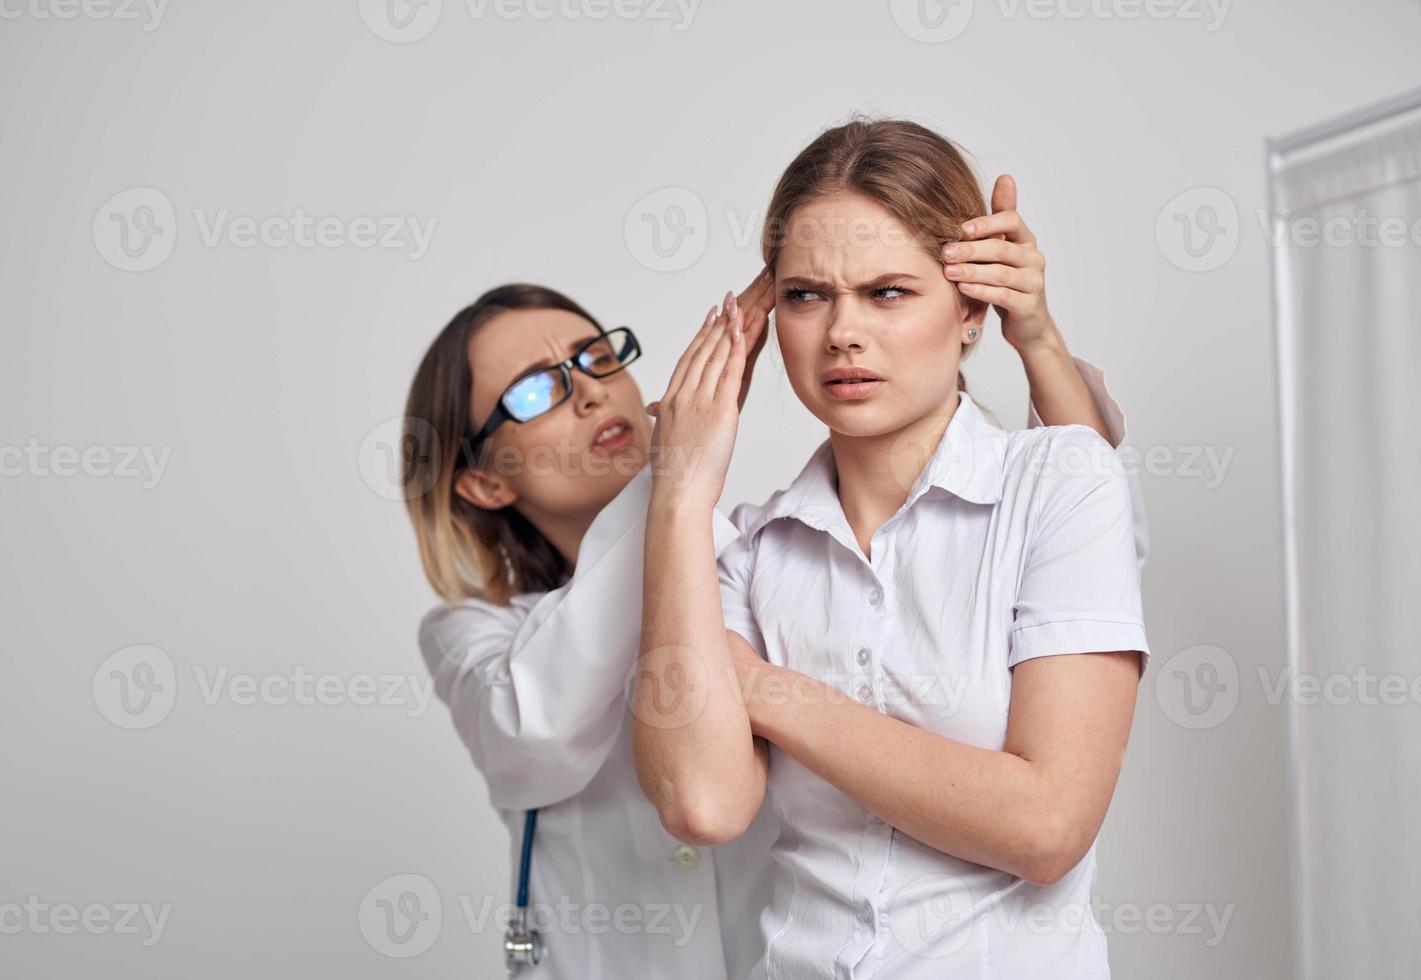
column 612, row 435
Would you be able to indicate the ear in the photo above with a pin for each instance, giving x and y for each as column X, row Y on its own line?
column 974, row 315
column 485, row 490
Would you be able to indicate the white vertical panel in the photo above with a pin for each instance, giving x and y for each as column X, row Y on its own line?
column 1347, row 237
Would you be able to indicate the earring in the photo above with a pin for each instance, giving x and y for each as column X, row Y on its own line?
column 972, row 333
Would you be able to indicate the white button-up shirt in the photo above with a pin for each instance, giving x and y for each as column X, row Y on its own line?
column 1008, row 547
column 537, row 690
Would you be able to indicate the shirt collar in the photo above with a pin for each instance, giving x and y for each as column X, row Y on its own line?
column 967, row 463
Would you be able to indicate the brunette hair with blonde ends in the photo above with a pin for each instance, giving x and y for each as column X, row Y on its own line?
column 915, row 174
column 467, row 551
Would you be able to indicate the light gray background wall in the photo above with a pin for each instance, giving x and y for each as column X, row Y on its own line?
column 264, row 378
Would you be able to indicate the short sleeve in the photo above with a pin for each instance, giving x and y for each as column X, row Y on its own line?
column 736, row 565
column 1080, row 584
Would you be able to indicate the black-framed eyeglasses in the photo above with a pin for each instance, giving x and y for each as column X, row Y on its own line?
column 544, row 389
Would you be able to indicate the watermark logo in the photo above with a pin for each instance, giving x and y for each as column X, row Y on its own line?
column 666, row 230
column 933, row 916
column 394, row 450
column 1198, row 230
column 136, row 229
column 1198, row 687
column 401, row 21
column 135, row 688
column 932, row 21
column 401, row 916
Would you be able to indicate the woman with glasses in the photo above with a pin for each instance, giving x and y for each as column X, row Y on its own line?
column 528, row 483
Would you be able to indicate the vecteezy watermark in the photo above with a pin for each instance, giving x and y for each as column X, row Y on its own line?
column 1358, row 686
column 406, row 21
column 666, row 230
column 136, row 688
column 1198, row 230
column 568, row 917
column 400, row 459
column 149, row 13
column 1198, row 687
column 413, row 692
column 37, row 918
column 935, row 21
column 400, row 917
column 35, row 459
column 137, row 229
column 932, row 21
column 1209, row 13
column 937, row 916
column 1357, row 228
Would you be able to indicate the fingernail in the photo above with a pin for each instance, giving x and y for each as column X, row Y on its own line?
column 950, row 251
column 969, row 227
column 954, row 270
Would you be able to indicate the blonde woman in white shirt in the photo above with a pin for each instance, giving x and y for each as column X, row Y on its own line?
column 926, row 650
column 534, row 541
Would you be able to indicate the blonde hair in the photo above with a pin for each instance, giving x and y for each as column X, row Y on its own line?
column 918, row 176
column 467, row 551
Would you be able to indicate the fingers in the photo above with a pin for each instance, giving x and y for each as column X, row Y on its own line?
column 696, row 367
column 1006, row 223
column 734, row 372
column 993, row 250
column 715, row 378
column 754, row 298
column 678, row 375
column 1004, row 194
column 1028, row 280
column 1011, row 300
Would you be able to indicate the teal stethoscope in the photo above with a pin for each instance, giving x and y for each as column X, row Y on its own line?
column 523, row 946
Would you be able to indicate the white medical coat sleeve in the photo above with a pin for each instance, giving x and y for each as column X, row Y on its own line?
column 537, row 689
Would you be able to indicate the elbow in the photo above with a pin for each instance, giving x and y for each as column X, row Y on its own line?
column 1051, row 855
column 702, row 826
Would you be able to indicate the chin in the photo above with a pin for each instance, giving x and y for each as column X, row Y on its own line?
column 859, row 421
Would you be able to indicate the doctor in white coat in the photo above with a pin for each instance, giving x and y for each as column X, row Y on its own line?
column 530, row 516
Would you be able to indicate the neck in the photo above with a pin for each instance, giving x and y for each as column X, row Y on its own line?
column 563, row 531
column 875, row 473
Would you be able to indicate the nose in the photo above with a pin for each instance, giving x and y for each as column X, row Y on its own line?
column 842, row 333
column 588, row 393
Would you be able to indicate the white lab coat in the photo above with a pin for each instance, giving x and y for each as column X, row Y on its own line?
column 537, row 691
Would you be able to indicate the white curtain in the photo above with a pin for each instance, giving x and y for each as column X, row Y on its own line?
column 1347, row 229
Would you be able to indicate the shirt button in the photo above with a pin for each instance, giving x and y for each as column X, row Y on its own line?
column 875, row 597
column 863, row 693
column 686, row 857
column 863, row 656
column 866, row 913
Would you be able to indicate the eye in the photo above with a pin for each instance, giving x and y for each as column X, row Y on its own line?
column 883, row 291
column 795, row 297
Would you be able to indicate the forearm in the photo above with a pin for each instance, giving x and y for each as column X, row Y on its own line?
column 990, row 807
column 1058, row 391
column 694, row 750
